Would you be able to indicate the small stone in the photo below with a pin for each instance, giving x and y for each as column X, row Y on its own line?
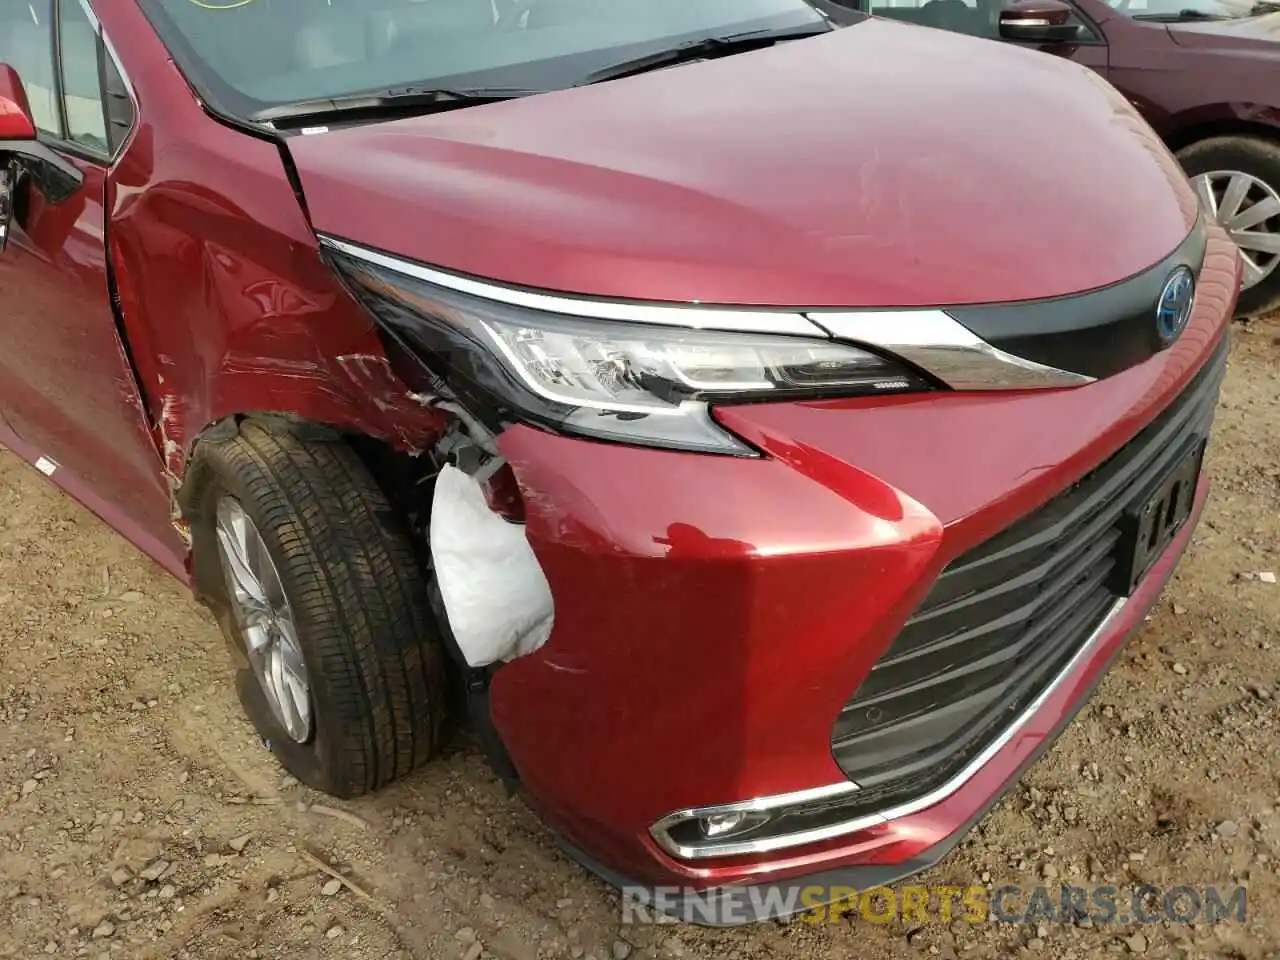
column 288, row 783
column 184, row 776
column 168, row 892
column 120, row 876
column 465, row 935
column 131, row 596
column 331, row 888
column 1136, row 944
column 566, row 902
column 1179, row 609
column 29, row 787
column 272, row 894
column 137, row 817
column 1227, row 828
column 333, row 933
column 213, row 860
column 105, row 929
column 1035, row 943
column 154, row 870
column 1180, row 669
column 50, row 947
column 621, row 950
column 487, row 901
column 1267, row 576
column 473, row 951
column 1137, row 856
column 117, row 818
column 239, row 843
column 1049, row 871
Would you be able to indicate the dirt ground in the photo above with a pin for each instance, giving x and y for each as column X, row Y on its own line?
column 141, row 818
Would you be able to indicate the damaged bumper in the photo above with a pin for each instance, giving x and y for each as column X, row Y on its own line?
column 714, row 616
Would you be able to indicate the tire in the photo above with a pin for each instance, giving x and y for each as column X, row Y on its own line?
column 356, row 596
column 1258, row 158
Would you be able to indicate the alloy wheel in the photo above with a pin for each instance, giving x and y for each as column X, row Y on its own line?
column 265, row 619
column 1249, row 210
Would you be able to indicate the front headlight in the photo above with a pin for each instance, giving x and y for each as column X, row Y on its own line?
column 640, row 383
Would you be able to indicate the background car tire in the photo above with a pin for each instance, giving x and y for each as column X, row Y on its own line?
column 1260, row 159
column 355, row 592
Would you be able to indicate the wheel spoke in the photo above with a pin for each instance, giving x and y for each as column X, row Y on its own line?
column 1237, row 190
column 1252, row 272
column 1264, row 209
column 247, row 591
column 292, row 694
column 1204, row 190
column 1256, row 240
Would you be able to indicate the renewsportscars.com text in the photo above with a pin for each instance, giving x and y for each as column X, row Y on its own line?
column 1007, row 903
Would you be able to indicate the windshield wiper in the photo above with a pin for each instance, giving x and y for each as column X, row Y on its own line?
column 1182, row 16
column 402, row 101
column 705, row 48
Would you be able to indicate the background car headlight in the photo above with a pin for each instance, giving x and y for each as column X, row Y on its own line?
column 637, row 383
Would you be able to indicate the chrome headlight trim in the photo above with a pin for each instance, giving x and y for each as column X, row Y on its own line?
column 693, row 316
column 929, row 338
column 936, row 342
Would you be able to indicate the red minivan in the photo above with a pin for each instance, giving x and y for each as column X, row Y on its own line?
column 765, row 426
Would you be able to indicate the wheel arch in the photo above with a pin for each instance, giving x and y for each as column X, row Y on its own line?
column 1222, row 120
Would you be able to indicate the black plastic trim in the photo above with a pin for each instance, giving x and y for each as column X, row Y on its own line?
column 1098, row 333
column 1005, row 616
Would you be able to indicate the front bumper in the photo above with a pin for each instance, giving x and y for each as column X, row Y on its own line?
column 714, row 615
column 927, row 830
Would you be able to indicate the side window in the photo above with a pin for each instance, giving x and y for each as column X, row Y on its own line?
column 82, row 78
column 26, row 44
column 979, row 18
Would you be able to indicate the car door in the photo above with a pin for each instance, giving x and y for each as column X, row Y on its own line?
column 981, row 18
column 67, row 386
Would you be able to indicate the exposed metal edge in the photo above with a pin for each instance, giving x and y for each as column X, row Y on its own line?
column 672, row 315
column 936, row 342
column 781, row 801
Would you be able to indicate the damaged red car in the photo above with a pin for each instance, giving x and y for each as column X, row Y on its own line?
column 764, row 424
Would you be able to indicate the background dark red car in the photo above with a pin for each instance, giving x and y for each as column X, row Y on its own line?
column 1204, row 73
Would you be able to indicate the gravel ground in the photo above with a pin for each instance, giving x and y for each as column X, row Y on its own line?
column 141, row 818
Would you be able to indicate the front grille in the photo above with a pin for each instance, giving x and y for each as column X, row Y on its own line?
column 1006, row 617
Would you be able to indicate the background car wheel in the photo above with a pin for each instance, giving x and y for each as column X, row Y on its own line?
column 1238, row 182
column 315, row 583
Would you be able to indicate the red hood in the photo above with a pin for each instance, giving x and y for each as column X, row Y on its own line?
column 882, row 165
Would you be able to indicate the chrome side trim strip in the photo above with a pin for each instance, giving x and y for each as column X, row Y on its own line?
column 673, row 315
column 730, row 848
column 938, row 343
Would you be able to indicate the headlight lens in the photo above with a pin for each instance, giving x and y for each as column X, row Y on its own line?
column 632, row 368
column 632, row 382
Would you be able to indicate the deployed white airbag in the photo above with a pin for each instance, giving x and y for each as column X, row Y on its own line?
column 495, row 593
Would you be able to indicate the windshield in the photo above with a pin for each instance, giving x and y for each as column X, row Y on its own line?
column 1193, row 9
column 246, row 55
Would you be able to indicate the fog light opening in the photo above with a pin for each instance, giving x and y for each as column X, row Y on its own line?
column 720, row 826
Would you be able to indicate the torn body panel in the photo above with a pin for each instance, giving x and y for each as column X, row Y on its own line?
column 223, row 293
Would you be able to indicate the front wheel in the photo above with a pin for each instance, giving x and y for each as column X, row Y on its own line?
column 1238, row 182
column 316, row 585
